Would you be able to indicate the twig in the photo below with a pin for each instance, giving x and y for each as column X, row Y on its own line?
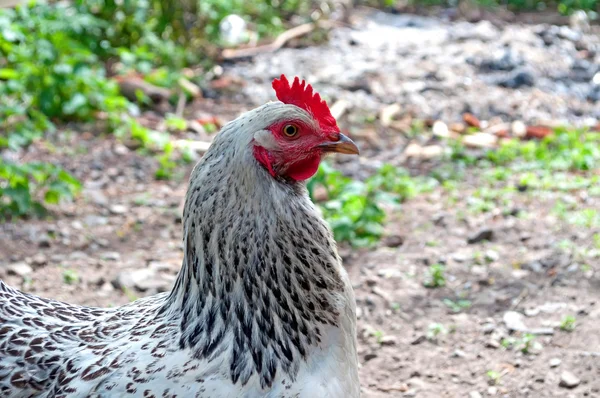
column 181, row 101
column 300, row 30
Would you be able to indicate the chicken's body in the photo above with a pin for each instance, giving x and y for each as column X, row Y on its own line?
column 261, row 307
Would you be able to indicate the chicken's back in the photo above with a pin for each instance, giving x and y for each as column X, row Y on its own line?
column 53, row 349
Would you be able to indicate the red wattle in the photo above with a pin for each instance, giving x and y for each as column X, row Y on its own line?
column 305, row 168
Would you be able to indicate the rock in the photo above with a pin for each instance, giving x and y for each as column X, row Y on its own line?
column 44, row 241
column 481, row 235
column 369, row 356
column 389, row 273
column 518, row 79
column 97, row 197
column 121, row 149
column 21, row 269
column 475, row 394
column 440, row 129
column 111, row 256
column 144, row 279
column 493, row 390
column 388, row 340
column 118, row 209
column 92, row 220
column 492, row 256
column 492, row 343
column 518, row 128
column 387, row 113
column 555, row 362
column 39, row 260
column 393, row 240
column 480, row 140
column 459, row 354
column 421, row 338
column 568, row 380
column 514, row 321
column 488, row 328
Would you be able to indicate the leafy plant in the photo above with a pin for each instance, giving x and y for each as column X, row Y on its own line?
column 25, row 188
column 458, row 305
column 568, row 323
column 70, row 276
column 436, row 276
column 350, row 208
column 434, row 330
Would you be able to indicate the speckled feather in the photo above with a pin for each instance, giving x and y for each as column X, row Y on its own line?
column 261, row 306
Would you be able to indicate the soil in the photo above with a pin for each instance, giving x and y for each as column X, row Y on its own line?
column 122, row 238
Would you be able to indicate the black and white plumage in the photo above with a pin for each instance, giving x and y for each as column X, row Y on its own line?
column 261, row 307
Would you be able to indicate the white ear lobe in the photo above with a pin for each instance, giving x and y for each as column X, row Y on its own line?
column 265, row 139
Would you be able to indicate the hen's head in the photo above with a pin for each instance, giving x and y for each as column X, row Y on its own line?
column 298, row 133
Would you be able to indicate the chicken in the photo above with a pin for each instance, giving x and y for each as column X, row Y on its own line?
column 260, row 308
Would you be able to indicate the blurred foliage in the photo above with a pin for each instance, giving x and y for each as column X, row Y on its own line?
column 353, row 208
column 24, row 188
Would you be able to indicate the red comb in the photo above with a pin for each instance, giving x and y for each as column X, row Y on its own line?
column 302, row 95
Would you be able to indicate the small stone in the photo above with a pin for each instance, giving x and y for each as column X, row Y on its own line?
column 38, row 260
column 491, row 343
column 475, row 394
column 393, row 241
column 493, row 390
column 44, row 241
column 488, row 328
column 481, row 235
column 111, row 256
column 459, row 354
column 492, row 256
column 555, row 362
column 370, row 356
column 418, row 340
column 480, row 140
column 359, row 312
column 460, row 257
column 388, row 340
column 121, row 149
column 440, row 129
column 92, row 220
column 118, row 209
column 20, row 269
column 371, row 281
column 569, row 380
column 514, row 321
column 518, row 129
column 78, row 225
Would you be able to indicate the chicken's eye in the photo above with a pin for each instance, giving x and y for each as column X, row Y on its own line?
column 290, row 130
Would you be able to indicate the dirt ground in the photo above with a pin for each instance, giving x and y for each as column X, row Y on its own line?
column 515, row 276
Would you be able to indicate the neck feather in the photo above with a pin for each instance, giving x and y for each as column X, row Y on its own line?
column 260, row 266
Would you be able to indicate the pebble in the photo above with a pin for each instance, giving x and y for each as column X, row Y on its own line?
column 388, row 340
column 481, row 235
column 44, row 241
column 118, row 209
column 493, row 390
column 38, row 260
column 492, row 343
column 568, row 380
column 21, row 269
column 459, row 354
column 144, row 279
column 475, row 394
column 514, row 321
column 492, row 256
column 555, row 362
column 112, row 256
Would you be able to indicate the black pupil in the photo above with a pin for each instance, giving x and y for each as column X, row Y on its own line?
column 290, row 130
